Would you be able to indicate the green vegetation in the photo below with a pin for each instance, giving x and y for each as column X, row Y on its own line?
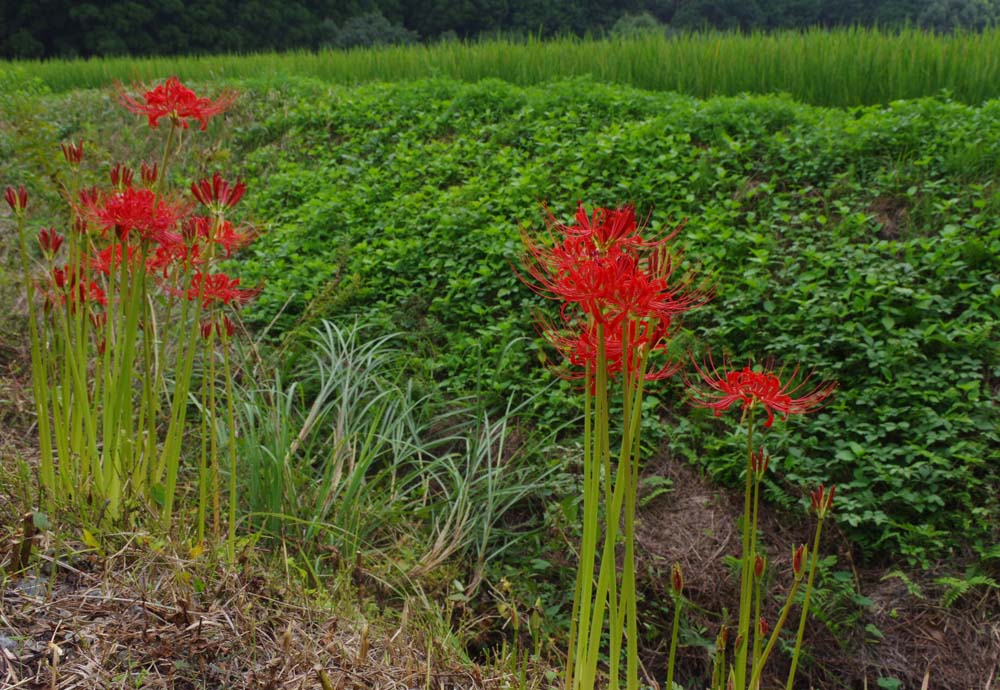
column 842, row 68
column 860, row 242
column 401, row 441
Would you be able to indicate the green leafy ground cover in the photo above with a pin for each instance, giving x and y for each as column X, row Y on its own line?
column 863, row 243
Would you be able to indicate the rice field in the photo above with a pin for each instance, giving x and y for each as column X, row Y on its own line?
column 839, row 68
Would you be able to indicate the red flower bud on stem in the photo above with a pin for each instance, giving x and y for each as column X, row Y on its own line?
column 759, row 462
column 121, row 176
column 822, row 500
column 798, row 561
column 218, row 194
column 73, row 153
column 17, row 199
column 677, row 579
column 762, row 626
column 49, row 240
column 149, row 173
column 758, row 567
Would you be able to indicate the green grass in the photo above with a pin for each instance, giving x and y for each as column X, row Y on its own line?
column 842, row 68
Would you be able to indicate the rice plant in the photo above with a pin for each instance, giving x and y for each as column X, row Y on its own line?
column 842, row 67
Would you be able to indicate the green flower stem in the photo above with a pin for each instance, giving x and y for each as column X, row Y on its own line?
column 39, row 379
column 678, row 601
column 608, row 567
column 231, row 421
column 755, row 678
column 580, row 573
column 213, row 437
column 203, row 463
column 171, row 453
column 746, row 564
column 813, row 561
column 757, row 637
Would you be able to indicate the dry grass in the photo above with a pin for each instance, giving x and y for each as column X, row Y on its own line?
column 148, row 617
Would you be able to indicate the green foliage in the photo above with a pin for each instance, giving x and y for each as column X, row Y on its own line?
column 860, row 243
column 341, row 453
column 365, row 31
column 635, row 25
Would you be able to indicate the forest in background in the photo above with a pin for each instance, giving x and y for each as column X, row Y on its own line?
column 64, row 29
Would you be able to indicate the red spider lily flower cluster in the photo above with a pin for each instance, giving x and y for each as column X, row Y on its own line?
column 218, row 288
column 138, row 211
column 615, row 286
column 175, row 102
column 765, row 388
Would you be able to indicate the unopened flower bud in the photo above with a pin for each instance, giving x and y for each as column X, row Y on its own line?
column 121, row 176
column 225, row 326
column 822, row 500
column 720, row 641
column 798, row 560
column 206, row 329
column 49, row 240
column 59, row 276
column 677, row 579
column 149, row 173
column 758, row 566
column 762, row 626
column 17, row 199
column 759, row 462
column 73, row 153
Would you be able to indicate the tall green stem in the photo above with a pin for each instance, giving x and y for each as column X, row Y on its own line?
column 813, row 562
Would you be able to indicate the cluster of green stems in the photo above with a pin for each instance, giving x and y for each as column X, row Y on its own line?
column 609, row 503
column 111, row 423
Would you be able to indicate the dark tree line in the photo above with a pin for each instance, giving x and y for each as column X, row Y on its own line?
column 61, row 28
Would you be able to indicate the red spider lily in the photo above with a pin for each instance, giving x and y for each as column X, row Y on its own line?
column 139, row 211
column 17, row 199
column 105, row 262
column 220, row 232
column 49, row 240
column 749, row 388
column 149, row 173
column 177, row 102
column 217, row 193
column 604, row 265
column 580, row 348
column 73, row 153
column 121, row 176
column 174, row 254
column 218, row 288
